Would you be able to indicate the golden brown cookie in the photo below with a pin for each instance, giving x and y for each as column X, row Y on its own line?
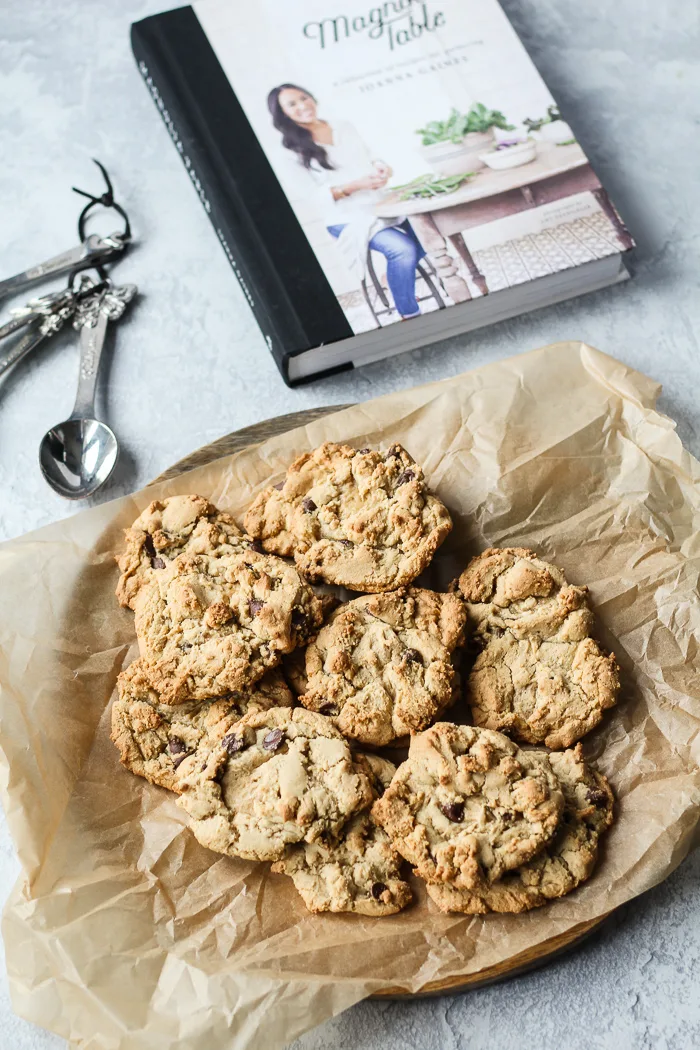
column 209, row 624
column 561, row 866
column 279, row 777
column 365, row 520
column 511, row 589
column 551, row 692
column 165, row 529
column 539, row 676
column 153, row 739
column 468, row 805
column 358, row 871
column 382, row 666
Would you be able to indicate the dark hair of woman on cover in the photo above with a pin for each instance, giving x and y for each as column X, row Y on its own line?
column 295, row 136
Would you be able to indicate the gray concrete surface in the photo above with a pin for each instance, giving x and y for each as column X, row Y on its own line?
column 190, row 365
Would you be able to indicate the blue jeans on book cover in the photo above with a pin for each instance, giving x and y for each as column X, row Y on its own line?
column 403, row 251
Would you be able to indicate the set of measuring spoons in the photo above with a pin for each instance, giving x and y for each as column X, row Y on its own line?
column 76, row 456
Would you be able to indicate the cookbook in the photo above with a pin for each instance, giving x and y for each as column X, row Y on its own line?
column 365, row 166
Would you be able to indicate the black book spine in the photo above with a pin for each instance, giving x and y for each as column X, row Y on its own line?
column 162, row 88
column 238, row 190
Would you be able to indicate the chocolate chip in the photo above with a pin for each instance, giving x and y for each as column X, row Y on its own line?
column 177, row 748
column 413, row 656
column 507, row 816
column 257, row 546
column 393, row 452
column 308, row 505
column 185, row 646
column 402, row 479
column 298, row 618
column 363, row 451
column 279, row 486
column 377, row 889
column 273, row 740
column 597, row 798
column 157, row 563
column 233, row 743
column 347, row 543
column 149, row 546
column 454, row 811
column 328, row 709
column 255, row 605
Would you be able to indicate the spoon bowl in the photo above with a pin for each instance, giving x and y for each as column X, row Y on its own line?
column 77, row 457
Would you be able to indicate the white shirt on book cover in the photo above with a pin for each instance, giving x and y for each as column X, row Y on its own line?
column 352, row 159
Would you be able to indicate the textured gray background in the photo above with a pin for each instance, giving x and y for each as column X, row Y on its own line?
column 189, row 365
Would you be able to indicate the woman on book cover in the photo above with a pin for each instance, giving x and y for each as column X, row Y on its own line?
column 342, row 166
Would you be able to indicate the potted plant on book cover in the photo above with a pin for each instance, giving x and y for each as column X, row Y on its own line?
column 452, row 146
column 550, row 128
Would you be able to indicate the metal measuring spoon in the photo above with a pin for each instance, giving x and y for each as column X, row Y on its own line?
column 78, row 456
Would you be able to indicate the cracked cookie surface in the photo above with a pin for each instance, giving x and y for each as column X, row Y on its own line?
column 563, row 864
column 211, row 624
column 359, row 871
column 154, row 739
column 511, row 589
column 539, row 676
column 167, row 528
column 280, row 777
column 468, row 805
column 362, row 519
column 382, row 666
column 552, row 692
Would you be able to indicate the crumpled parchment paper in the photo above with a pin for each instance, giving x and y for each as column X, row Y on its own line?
column 124, row 934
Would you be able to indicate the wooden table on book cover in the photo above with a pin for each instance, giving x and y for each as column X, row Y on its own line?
column 533, row 957
column 557, row 172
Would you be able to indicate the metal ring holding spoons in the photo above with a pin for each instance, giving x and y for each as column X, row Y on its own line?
column 106, row 201
column 92, row 250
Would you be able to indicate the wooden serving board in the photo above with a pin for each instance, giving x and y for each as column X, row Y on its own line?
column 528, row 960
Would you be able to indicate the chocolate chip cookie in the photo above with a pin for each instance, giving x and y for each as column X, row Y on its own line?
column 382, row 666
column 469, row 805
column 365, row 520
column 209, row 624
column 551, row 692
column 279, row 777
column 154, row 739
column 562, row 865
column 359, row 871
column 165, row 529
column 511, row 589
column 540, row 676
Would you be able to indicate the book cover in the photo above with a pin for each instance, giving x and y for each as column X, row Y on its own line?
column 398, row 159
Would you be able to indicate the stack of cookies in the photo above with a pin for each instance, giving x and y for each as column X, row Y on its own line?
column 278, row 712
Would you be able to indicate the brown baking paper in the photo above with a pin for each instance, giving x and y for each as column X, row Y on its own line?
column 123, row 932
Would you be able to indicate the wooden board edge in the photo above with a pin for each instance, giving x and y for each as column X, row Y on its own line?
column 240, row 439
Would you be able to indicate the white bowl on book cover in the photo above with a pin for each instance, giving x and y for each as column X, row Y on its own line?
column 510, row 156
column 557, row 131
column 457, row 158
